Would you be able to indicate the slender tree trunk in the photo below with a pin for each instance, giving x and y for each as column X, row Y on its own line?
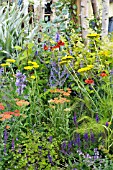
column 95, row 8
column 105, row 17
column 78, row 10
column 84, row 17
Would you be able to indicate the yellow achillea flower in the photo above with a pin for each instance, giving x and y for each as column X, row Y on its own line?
column 10, row 60
column 90, row 66
column 5, row 64
column 67, row 57
column 64, row 62
column 104, row 53
column 34, row 64
column 29, row 62
column 28, row 67
column 84, row 69
column 93, row 35
column 33, row 77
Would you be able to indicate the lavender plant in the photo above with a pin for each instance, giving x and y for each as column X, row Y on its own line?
column 58, row 75
column 20, row 82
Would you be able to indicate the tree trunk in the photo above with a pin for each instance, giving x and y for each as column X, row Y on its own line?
column 105, row 17
column 78, row 11
column 95, row 8
column 84, row 17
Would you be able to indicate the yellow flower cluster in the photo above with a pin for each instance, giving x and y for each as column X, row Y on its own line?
column 8, row 61
column 84, row 69
column 33, row 77
column 93, row 35
column 105, row 53
column 34, row 65
column 66, row 59
column 5, row 64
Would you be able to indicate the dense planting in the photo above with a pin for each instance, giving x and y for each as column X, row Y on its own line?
column 56, row 98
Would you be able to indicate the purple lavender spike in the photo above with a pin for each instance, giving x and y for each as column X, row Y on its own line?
column 1, row 71
column 36, row 53
column 107, row 124
column 50, row 139
column 57, row 37
column 97, row 118
column 50, row 159
column 92, row 138
column 78, row 141
column 20, row 82
column 5, row 136
column 86, row 137
column 13, row 144
column 75, row 119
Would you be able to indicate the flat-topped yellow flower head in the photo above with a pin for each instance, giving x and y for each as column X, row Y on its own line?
column 28, row 67
column 5, row 64
column 10, row 60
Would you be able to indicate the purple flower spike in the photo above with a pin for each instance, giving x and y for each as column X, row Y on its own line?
column 78, row 142
column 5, row 149
column 97, row 118
column 107, row 124
column 86, row 137
column 1, row 71
column 57, row 37
column 75, row 119
column 50, row 159
column 36, row 53
column 50, row 139
column 13, row 144
column 92, row 137
column 20, row 82
column 5, row 136
column 19, row 151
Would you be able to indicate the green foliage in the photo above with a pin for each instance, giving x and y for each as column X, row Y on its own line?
column 33, row 151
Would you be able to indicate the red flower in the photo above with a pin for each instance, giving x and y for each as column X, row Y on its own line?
column 45, row 47
column 56, row 46
column 1, row 106
column 89, row 81
column 8, row 113
column 16, row 113
column 103, row 74
column 60, row 43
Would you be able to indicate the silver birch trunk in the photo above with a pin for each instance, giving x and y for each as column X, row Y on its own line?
column 84, row 17
column 105, row 17
column 95, row 8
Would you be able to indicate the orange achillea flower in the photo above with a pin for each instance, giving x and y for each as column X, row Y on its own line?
column 8, row 113
column 89, row 81
column 59, row 100
column 5, row 116
column 66, row 94
column 16, row 113
column 7, row 127
column 103, row 74
column 61, row 91
column 16, row 99
column 22, row 103
column 1, row 106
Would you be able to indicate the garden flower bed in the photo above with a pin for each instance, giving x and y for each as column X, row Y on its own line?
column 56, row 99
